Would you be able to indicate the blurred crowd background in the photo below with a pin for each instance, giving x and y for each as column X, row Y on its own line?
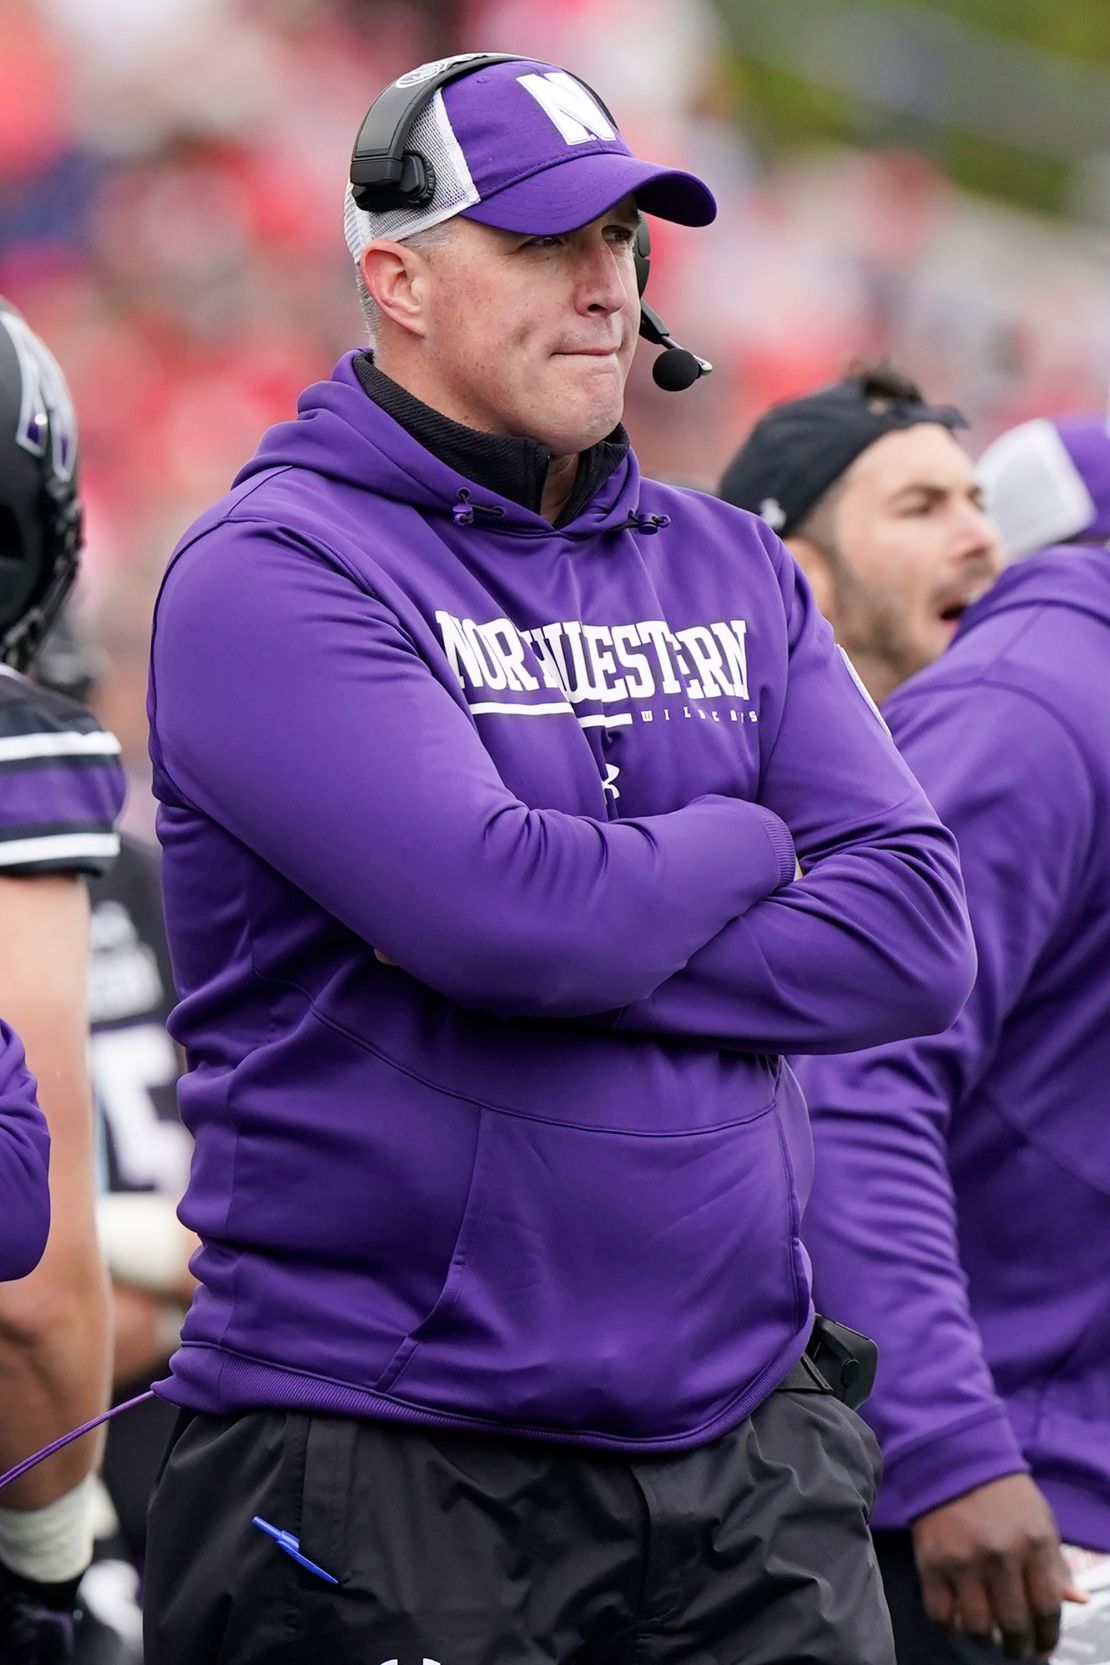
column 929, row 181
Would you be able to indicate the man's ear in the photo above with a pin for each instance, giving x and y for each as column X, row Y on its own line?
column 394, row 277
column 817, row 567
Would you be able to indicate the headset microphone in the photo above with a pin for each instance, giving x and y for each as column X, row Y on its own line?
column 676, row 368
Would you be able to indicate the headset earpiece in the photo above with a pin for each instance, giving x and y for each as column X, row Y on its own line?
column 385, row 173
column 642, row 253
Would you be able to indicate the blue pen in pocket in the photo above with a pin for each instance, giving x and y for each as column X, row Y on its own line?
column 292, row 1547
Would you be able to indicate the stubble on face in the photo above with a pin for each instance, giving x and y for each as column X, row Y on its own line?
column 909, row 550
column 532, row 338
column 877, row 631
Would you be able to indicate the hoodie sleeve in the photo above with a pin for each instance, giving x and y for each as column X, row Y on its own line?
column 292, row 708
column 881, row 1225
column 24, row 1164
column 873, row 943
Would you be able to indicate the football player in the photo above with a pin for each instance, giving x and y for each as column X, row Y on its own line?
column 61, row 790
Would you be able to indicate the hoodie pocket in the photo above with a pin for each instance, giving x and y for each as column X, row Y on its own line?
column 625, row 1284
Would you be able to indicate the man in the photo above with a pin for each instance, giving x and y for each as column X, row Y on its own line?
column 483, row 767
column 60, row 793
column 879, row 504
column 24, row 1164
column 930, row 1153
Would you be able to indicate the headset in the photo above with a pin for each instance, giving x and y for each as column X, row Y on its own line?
column 386, row 174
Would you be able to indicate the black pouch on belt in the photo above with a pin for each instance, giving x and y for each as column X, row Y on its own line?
column 846, row 1359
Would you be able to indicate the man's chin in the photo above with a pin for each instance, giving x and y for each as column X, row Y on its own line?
column 586, row 404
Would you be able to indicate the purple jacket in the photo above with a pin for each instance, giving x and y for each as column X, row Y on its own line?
column 544, row 1173
column 961, row 1210
column 24, row 1164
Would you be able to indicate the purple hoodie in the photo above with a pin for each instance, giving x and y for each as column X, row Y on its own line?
column 24, row 1163
column 544, row 1173
column 961, row 1210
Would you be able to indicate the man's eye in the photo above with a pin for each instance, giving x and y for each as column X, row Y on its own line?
column 621, row 234
column 921, row 506
column 542, row 242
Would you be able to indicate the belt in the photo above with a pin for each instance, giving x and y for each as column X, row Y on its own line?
column 804, row 1378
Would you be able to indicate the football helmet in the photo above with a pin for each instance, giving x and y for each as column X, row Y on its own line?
column 40, row 516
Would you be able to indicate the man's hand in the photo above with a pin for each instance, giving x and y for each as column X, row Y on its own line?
column 991, row 1565
column 36, row 1620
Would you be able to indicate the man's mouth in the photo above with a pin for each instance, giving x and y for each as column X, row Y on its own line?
column 953, row 608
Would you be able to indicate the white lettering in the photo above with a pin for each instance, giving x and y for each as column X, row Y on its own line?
column 641, row 685
column 466, row 663
column 733, row 637
column 547, row 670
column 656, row 632
column 569, row 106
column 582, row 686
column 713, row 678
column 595, row 635
column 586, row 661
column 503, row 644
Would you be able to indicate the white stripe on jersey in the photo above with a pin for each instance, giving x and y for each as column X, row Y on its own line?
column 20, row 748
column 59, row 847
column 514, row 708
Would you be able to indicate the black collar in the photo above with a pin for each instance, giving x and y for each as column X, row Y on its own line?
column 511, row 467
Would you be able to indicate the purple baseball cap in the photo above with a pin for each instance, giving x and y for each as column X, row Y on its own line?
column 545, row 157
column 526, row 147
column 1048, row 482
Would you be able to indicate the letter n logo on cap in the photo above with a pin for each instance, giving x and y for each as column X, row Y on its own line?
column 569, row 106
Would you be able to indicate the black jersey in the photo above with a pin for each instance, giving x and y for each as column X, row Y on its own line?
column 134, row 1064
column 61, row 784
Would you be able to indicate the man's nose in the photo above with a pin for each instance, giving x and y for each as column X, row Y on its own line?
column 602, row 279
column 978, row 534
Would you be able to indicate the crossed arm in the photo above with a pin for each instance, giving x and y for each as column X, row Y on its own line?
column 312, row 729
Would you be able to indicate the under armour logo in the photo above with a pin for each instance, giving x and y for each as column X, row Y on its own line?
column 612, row 770
column 45, row 407
column 423, row 1662
column 567, row 103
column 772, row 511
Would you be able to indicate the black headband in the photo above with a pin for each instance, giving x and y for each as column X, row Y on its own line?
column 799, row 449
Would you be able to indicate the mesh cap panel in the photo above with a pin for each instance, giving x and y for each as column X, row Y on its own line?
column 1034, row 492
column 433, row 137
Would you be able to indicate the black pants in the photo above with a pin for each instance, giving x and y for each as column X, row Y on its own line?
column 474, row 1550
column 132, row 1457
column 917, row 1640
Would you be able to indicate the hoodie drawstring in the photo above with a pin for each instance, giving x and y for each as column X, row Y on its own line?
column 464, row 510
column 645, row 523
